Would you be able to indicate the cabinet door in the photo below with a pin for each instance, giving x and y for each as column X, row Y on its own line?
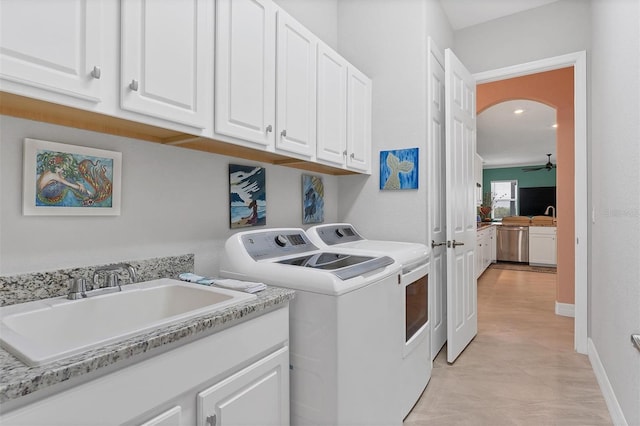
column 245, row 79
column 358, row 121
column 296, row 83
column 332, row 106
column 166, row 59
column 256, row 395
column 53, row 45
column 486, row 250
column 493, row 241
column 542, row 249
column 171, row 417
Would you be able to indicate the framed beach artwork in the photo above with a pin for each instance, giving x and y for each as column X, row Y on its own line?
column 61, row 179
column 312, row 199
column 399, row 169
column 247, row 197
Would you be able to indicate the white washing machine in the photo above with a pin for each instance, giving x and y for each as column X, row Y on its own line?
column 343, row 339
column 414, row 326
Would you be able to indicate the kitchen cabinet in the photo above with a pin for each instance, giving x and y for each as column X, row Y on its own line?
column 332, row 106
column 296, row 87
column 166, row 59
column 245, row 55
column 358, row 121
column 252, row 396
column 543, row 246
column 212, row 375
column 485, row 252
column 52, row 47
column 205, row 81
column 344, row 112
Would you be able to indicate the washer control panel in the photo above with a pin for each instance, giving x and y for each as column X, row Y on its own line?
column 337, row 234
column 276, row 243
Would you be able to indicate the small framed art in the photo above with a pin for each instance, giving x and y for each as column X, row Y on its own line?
column 62, row 179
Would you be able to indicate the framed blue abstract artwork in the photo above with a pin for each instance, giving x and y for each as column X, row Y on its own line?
column 399, row 169
column 247, row 196
column 312, row 199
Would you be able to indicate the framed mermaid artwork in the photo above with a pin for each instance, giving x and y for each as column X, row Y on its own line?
column 70, row 180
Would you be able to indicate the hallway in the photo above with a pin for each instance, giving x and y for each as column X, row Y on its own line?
column 520, row 369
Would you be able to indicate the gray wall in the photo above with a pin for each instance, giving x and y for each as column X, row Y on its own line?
column 387, row 40
column 174, row 201
column 319, row 16
column 547, row 31
column 615, row 256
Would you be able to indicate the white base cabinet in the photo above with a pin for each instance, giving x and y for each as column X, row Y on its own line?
column 237, row 376
column 543, row 249
column 485, row 252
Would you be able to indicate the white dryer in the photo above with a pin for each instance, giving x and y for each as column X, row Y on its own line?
column 343, row 339
column 414, row 326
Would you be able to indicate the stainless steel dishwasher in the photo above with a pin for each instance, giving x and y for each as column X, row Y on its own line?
column 513, row 243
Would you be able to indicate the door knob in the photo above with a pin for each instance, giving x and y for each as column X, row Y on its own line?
column 454, row 244
column 434, row 244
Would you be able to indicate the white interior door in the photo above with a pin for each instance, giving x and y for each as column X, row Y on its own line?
column 460, row 119
column 437, row 200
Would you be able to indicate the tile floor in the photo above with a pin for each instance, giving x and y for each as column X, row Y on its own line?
column 520, row 369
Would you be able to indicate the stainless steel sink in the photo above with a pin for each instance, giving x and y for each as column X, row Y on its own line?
column 52, row 329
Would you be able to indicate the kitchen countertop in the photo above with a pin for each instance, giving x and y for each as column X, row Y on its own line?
column 19, row 380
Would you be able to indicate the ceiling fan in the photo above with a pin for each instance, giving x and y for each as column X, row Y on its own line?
column 547, row 166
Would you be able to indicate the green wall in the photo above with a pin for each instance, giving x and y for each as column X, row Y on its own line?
column 525, row 179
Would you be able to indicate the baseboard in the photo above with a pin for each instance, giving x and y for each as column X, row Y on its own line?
column 566, row 309
column 617, row 416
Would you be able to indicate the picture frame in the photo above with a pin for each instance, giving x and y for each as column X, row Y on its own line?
column 247, row 196
column 399, row 169
column 60, row 179
column 312, row 199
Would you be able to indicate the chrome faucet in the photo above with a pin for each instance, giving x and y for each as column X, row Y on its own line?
column 113, row 280
column 553, row 211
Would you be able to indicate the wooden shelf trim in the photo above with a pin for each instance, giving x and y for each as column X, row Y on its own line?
column 37, row 110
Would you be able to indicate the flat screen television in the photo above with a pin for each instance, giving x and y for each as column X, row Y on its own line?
column 534, row 201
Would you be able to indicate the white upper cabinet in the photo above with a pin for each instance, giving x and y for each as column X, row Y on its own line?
column 245, row 56
column 358, row 121
column 52, row 45
column 332, row 106
column 165, row 59
column 296, row 87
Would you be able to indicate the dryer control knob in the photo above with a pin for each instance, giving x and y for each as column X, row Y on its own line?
column 339, row 233
column 281, row 240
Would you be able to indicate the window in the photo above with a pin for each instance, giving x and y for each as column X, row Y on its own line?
column 505, row 198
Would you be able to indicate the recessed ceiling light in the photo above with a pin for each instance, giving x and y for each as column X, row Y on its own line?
column 518, row 111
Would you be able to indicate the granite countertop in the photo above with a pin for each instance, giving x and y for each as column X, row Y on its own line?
column 20, row 380
column 482, row 225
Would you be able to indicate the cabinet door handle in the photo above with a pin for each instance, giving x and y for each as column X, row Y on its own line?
column 269, row 128
column 434, row 244
column 283, row 133
column 344, row 153
column 352, row 156
column 211, row 420
column 96, row 72
column 133, row 85
column 454, row 244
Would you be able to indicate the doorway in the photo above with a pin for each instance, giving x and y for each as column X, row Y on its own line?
column 577, row 62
